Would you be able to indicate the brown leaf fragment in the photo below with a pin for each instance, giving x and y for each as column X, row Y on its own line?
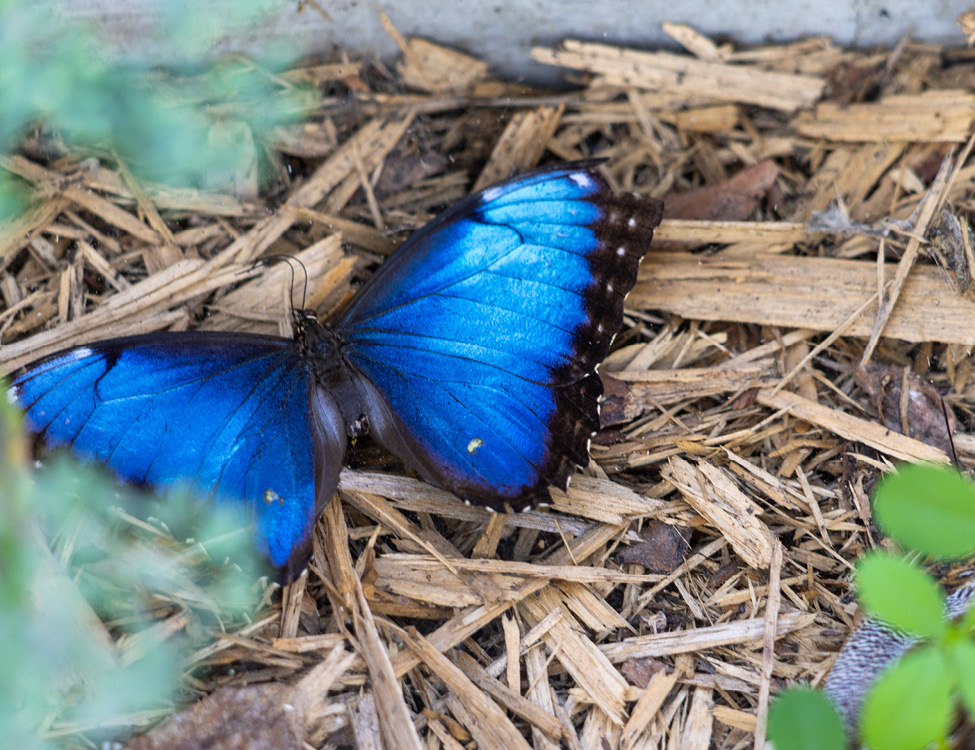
column 639, row 671
column 745, row 400
column 949, row 247
column 920, row 415
column 248, row 718
column 663, row 549
column 732, row 200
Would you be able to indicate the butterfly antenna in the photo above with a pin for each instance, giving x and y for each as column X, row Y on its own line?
column 289, row 259
column 304, row 288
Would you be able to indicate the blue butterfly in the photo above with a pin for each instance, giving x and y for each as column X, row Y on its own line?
column 470, row 353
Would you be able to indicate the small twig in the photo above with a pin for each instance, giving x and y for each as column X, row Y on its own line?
column 768, row 643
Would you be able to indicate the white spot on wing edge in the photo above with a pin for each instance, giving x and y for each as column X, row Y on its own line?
column 72, row 355
column 12, row 398
column 80, row 353
column 621, row 251
column 582, row 180
column 631, row 223
column 490, row 194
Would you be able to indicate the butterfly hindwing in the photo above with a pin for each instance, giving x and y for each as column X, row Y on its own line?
column 234, row 417
column 479, row 338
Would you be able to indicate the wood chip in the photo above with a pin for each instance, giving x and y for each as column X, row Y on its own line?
column 853, row 428
column 714, row 494
column 488, row 724
column 675, row 73
column 817, row 293
column 940, row 116
column 521, row 145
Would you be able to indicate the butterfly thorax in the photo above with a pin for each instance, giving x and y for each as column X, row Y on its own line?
column 321, row 349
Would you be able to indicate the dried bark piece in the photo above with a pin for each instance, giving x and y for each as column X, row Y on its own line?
column 938, row 116
column 628, row 394
column 432, row 67
column 797, row 292
column 521, row 144
column 401, row 171
column 663, row 71
column 271, row 715
column 847, row 82
column 249, row 718
column 951, row 246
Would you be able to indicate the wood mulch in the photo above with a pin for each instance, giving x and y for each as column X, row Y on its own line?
column 802, row 313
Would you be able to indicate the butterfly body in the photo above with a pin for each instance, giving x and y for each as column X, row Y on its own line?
column 470, row 353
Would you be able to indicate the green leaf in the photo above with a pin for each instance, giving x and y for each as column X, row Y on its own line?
column 802, row 718
column 910, row 706
column 928, row 508
column 900, row 594
column 962, row 654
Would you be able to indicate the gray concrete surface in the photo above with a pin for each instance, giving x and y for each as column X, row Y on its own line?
column 503, row 31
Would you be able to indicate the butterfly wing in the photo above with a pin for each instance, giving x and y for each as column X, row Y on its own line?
column 479, row 338
column 234, row 417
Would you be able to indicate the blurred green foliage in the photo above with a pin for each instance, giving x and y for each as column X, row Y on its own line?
column 88, row 591
column 928, row 509
column 164, row 124
column 83, row 590
column 802, row 718
column 911, row 705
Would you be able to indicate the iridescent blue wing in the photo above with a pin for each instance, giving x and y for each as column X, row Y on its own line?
column 479, row 338
column 232, row 417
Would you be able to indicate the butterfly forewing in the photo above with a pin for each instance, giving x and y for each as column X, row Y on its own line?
column 225, row 415
column 480, row 337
